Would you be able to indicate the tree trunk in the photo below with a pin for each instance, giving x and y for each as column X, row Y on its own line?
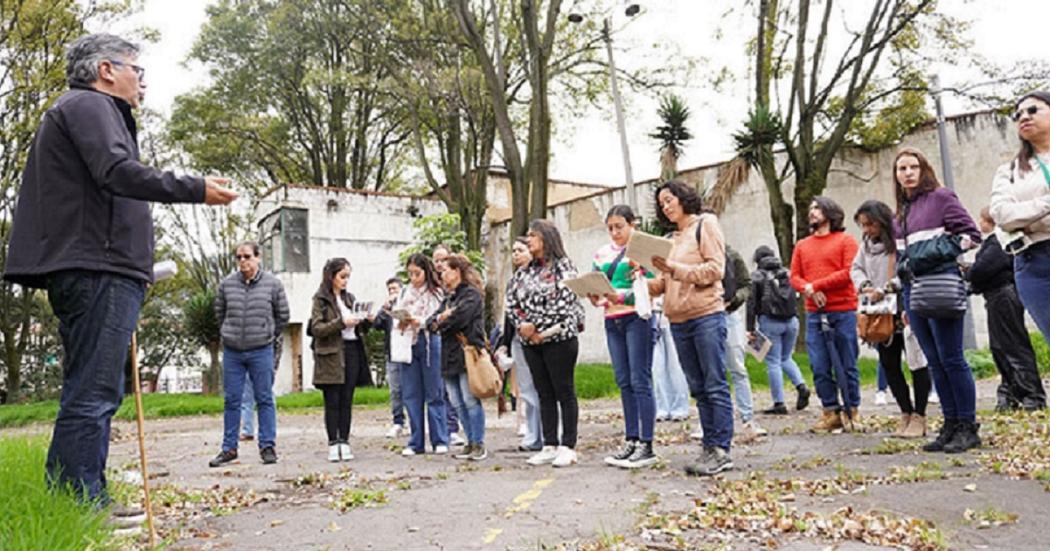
column 13, row 363
column 211, row 380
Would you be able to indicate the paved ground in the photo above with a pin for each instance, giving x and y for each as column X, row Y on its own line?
column 437, row 502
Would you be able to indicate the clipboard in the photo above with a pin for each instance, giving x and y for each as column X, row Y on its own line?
column 759, row 345
column 642, row 247
column 591, row 283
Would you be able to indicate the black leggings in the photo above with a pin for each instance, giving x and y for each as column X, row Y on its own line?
column 553, row 368
column 890, row 357
column 339, row 399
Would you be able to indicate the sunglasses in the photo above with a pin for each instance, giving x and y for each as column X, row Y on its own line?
column 1031, row 110
column 243, row 256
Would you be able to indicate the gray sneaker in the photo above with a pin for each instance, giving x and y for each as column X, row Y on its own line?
column 478, row 453
column 712, row 461
column 643, row 456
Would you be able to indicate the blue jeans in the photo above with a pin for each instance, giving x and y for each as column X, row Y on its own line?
column 782, row 335
column 701, row 345
column 735, row 341
column 941, row 341
column 630, row 340
column 469, row 407
column 1032, row 275
column 880, row 376
column 844, row 342
column 670, row 389
column 393, row 380
column 248, row 412
column 257, row 365
column 97, row 313
column 528, row 395
column 423, row 391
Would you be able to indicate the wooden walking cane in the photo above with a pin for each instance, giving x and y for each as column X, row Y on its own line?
column 161, row 271
column 142, row 440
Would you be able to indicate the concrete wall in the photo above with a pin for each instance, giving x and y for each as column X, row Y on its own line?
column 368, row 229
column 979, row 143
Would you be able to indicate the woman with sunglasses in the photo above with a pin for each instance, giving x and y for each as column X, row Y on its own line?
column 1021, row 204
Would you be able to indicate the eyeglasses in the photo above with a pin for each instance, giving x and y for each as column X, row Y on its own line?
column 139, row 70
column 1031, row 110
column 240, row 257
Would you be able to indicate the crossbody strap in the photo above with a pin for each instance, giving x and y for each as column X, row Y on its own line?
column 1046, row 172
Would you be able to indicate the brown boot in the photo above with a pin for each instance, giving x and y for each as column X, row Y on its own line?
column 829, row 421
column 851, row 422
column 902, row 427
column 916, row 427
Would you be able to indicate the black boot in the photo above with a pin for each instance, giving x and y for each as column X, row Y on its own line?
column 778, row 409
column 947, row 431
column 803, row 397
column 965, row 438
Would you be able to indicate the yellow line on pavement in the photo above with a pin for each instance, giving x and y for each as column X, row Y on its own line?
column 492, row 534
column 523, row 501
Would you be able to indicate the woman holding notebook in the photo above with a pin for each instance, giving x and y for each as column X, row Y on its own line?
column 630, row 339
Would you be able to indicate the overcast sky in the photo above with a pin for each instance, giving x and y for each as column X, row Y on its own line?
column 588, row 149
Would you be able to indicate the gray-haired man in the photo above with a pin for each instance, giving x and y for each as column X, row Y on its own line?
column 83, row 230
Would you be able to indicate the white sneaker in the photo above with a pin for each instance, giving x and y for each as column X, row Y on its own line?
column 566, row 456
column 546, row 455
column 345, row 453
column 408, row 452
column 934, row 399
column 333, row 453
column 456, row 440
column 880, row 398
column 753, row 428
column 522, row 429
column 439, row 450
column 395, row 431
column 698, row 434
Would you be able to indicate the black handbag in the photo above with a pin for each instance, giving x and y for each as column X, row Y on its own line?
column 938, row 296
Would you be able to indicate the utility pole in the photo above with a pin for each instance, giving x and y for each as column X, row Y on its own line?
column 969, row 330
column 632, row 201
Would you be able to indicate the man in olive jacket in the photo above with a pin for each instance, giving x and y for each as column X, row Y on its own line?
column 83, row 230
column 252, row 311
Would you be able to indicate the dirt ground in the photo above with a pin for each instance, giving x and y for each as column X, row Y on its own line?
column 839, row 489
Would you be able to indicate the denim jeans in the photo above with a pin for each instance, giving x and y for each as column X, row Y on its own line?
column 880, row 377
column 469, row 407
column 529, row 397
column 670, row 389
column 941, row 341
column 630, row 340
column 97, row 313
column 393, row 380
column 423, row 392
column 844, row 345
column 257, row 365
column 782, row 335
column 248, row 412
column 701, row 344
column 1032, row 275
column 735, row 341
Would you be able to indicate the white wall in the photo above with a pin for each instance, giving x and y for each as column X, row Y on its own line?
column 368, row 229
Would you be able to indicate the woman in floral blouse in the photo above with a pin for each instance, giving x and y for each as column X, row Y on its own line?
column 548, row 317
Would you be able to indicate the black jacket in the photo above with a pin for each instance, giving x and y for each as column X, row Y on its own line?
column 467, row 318
column 251, row 314
column 771, row 292
column 992, row 268
column 84, row 198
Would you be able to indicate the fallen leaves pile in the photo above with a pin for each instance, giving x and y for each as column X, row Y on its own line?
column 1017, row 445
column 761, row 511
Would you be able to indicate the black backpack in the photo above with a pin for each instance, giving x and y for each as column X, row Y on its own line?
column 779, row 298
column 728, row 275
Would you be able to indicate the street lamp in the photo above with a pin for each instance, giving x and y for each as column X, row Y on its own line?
column 630, row 10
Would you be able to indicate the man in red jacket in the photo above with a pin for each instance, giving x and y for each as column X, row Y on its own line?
column 820, row 271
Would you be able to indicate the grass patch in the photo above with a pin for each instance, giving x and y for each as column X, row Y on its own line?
column 36, row 518
column 989, row 517
column 352, row 498
column 157, row 406
column 595, row 381
column 923, row 472
column 891, row 446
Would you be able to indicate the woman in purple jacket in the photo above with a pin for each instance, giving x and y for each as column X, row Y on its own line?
column 927, row 212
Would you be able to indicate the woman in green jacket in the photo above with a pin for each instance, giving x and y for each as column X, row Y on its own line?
column 340, row 361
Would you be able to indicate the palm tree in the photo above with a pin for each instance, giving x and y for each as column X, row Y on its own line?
column 203, row 326
column 672, row 134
